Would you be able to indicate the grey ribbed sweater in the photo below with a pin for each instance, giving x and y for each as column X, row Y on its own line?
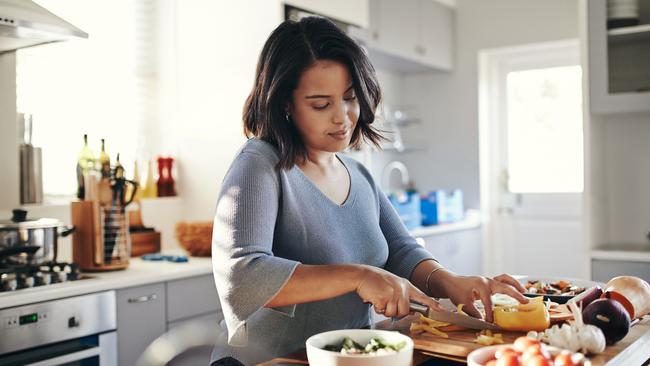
column 267, row 222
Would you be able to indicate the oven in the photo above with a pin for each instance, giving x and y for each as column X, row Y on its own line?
column 78, row 330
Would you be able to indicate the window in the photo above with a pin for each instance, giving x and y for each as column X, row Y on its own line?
column 103, row 86
column 545, row 130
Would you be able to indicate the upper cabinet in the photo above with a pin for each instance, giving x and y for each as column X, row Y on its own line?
column 353, row 12
column 618, row 62
column 411, row 35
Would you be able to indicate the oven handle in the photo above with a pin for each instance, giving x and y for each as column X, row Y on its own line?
column 68, row 358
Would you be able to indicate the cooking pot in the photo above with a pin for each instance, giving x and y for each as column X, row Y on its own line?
column 20, row 237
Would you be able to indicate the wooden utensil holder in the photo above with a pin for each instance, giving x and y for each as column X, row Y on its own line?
column 101, row 241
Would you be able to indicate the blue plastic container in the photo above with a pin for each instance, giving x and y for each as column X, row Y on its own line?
column 439, row 207
column 407, row 206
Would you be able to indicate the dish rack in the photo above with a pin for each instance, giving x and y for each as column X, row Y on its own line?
column 101, row 241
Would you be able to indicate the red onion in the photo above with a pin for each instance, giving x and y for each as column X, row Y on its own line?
column 610, row 316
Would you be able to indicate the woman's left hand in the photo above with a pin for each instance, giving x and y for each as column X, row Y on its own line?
column 466, row 289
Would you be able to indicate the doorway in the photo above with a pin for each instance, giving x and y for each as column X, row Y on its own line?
column 532, row 160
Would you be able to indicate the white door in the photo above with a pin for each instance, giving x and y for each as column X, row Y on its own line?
column 532, row 160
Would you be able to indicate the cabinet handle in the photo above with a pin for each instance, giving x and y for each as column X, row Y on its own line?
column 145, row 298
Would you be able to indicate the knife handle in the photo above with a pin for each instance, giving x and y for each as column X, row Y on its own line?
column 420, row 308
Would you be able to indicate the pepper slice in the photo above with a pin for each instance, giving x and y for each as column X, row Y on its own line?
column 523, row 317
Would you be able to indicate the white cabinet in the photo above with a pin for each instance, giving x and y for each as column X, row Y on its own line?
column 140, row 320
column 144, row 313
column 411, row 35
column 618, row 59
column 459, row 251
column 354, row 12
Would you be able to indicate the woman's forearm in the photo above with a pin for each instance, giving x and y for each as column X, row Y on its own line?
column 437, row 276
column 318, row 282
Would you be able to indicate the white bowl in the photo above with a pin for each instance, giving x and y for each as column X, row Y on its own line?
column 317, row 356
column 479, row 357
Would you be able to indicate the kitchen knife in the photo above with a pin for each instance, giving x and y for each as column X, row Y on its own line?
column 465, row 321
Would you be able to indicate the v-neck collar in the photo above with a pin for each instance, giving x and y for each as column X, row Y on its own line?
column 349, row 200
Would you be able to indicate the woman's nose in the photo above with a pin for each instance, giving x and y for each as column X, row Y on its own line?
column 340, row 113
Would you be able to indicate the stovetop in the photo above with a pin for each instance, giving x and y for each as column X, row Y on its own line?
column 15, row 277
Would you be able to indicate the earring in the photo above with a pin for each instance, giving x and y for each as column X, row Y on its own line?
column 286, row 117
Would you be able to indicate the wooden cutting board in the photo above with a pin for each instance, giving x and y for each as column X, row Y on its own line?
column 634, row 349
column 459, row 344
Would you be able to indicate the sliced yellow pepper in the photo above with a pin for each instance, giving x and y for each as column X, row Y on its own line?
column 523, row 317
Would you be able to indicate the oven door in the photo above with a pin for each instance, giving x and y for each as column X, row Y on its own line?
column 94, row 350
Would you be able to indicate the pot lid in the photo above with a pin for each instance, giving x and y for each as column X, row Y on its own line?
column 19, row 220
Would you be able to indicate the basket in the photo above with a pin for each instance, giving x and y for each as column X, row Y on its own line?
column 195, row 237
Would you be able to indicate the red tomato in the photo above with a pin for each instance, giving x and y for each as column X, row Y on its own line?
column 564, row 359
column 538, row 360
column 522, row 343
column 534, row 350
column 509, row 359
column 503, row 351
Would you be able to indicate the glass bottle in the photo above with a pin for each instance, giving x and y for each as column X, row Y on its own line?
column 105, row 162
column 85, row 162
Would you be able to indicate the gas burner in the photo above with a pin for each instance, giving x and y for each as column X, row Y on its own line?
column 21, row 276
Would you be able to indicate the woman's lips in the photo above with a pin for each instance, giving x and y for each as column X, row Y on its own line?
column 340, row 135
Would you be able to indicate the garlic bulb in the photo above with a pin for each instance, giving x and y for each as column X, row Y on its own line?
column 576, row 337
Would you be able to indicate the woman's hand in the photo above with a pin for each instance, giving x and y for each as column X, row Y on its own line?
column 466, row 289
column 390, row 294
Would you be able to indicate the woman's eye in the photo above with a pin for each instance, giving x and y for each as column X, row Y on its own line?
column 319, row 107
column 350, row 98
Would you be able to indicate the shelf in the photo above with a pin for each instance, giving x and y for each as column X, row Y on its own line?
column 404, row 149
column 402, row 122
column 635, row 33
column 471, row 221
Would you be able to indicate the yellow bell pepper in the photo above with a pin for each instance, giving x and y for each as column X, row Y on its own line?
column 523, row 317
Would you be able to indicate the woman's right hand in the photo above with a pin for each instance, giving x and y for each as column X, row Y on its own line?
column 390, row 294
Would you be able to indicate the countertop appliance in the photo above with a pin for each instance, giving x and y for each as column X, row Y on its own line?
column 78, row 330
column 23, row 23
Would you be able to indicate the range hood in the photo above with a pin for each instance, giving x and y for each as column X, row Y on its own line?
column 23, row 23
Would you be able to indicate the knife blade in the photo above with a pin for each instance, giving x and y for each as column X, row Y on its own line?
column 465, row 321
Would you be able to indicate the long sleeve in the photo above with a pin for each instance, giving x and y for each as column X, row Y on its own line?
column 404, row 252
column 246, row 272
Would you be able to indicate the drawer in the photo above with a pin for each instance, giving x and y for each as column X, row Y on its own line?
column 190, row 297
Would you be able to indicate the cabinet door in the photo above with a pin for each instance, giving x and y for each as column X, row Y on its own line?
column 459, row 251
column 436, row 28
column 140, row 320
column 190, row 297
column 396, row 26
column 626, row 56
column 605, row 270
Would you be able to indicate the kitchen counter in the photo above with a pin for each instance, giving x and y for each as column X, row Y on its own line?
column 139, row 273
column 623, row 252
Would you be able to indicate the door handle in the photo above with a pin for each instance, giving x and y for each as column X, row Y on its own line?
column 140, row 299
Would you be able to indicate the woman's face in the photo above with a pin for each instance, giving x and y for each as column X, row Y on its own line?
column 324, row 107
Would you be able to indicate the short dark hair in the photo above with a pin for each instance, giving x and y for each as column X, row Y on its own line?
column 292, row 48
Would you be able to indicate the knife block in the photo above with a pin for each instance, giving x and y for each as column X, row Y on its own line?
column 101, row 241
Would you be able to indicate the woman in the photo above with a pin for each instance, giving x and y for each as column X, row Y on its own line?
column 304, row 240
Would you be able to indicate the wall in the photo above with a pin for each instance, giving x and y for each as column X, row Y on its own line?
column 216, row 59
column 449, row 101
